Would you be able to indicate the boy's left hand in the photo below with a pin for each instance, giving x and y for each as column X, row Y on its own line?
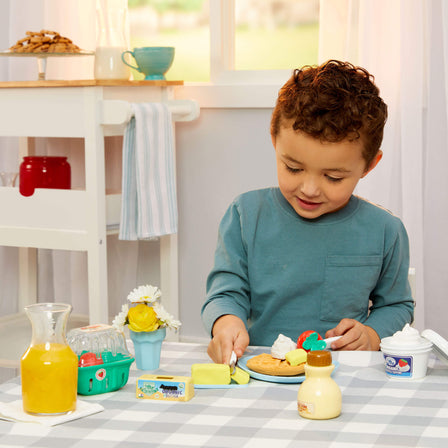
column 355, row 336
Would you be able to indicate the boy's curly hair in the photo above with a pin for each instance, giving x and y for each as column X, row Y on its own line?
column 333, row 102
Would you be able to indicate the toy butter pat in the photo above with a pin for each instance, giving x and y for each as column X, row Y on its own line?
column 217, row 374
column 210, row 373
column 240, row 376
column 162, row 387
column 296, row 357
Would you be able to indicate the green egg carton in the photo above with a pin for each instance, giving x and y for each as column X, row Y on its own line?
column 112, row 375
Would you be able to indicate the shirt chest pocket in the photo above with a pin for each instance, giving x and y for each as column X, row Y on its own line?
column 349, row 280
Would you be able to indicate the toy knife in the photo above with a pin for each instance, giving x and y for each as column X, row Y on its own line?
column 232, row 362
column 328, row 341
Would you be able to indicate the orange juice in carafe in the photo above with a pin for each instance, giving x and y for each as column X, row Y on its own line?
column 49, row 367
column 48, row 374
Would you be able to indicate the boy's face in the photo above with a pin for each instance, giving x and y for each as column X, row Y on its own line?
column 318, row 177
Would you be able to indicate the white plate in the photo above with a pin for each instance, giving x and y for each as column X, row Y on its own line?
column 242, row 363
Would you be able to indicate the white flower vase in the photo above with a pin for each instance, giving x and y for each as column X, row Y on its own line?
column 148, row 346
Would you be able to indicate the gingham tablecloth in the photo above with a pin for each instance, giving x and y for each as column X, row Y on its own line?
column 375, row 412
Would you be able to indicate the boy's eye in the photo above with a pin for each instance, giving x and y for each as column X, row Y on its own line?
column 293, row 170
column 334, row 179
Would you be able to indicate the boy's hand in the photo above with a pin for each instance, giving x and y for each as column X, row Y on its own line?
column 229, row 333
column 355, row 336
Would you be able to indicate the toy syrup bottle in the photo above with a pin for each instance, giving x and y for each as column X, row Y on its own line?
column 319, row 396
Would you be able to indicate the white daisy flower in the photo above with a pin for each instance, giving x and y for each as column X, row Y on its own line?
column 166, row 318
column 148, row 295
column 120, row 319
column 144, row 294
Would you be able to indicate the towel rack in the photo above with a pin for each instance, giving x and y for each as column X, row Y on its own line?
column 118, row 112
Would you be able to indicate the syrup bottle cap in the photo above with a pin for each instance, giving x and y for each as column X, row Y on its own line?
column 319, row 358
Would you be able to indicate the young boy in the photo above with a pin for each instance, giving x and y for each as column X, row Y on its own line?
column 309, row 255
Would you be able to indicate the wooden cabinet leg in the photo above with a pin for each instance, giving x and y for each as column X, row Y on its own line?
column 169, row 284
column 97, row 275
column 27, row 277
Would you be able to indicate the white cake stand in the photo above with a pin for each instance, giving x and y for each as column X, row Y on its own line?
column 42, row 58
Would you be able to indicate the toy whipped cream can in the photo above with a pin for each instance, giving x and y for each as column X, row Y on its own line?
column 406, row 354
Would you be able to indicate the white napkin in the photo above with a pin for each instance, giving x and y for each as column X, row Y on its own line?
column 14, row 412
column 149, row 203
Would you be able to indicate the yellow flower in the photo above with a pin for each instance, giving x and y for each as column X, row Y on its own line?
column 142, row 318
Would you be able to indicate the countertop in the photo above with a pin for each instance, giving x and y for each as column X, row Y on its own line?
column 89, row 83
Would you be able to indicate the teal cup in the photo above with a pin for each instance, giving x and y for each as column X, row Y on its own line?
column 153, row 62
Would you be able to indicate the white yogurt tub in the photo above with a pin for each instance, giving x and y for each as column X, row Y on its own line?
column 406, row 354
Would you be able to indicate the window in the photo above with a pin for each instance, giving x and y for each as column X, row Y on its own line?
column 275, row 35
column 229, row 41
column 183, row 24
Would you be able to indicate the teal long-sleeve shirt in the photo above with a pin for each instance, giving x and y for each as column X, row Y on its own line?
column 281, row 273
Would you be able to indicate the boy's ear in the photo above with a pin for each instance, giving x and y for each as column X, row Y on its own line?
column 373, row 163
column 273, row 140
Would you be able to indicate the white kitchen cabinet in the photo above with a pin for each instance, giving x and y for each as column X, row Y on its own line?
column 78, row 219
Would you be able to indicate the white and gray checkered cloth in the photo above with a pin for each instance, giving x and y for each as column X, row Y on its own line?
column 376, row 412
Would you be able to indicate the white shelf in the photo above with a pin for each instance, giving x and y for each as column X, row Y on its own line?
column 34, row 222
column 77, row 219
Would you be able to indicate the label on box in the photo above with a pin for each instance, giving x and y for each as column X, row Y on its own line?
column 160, row 387
column 398, row 365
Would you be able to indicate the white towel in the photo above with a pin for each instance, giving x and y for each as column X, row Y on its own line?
column 14, row 412
column 149, row 204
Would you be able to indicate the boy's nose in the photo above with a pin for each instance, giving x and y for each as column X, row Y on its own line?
column 310, row 187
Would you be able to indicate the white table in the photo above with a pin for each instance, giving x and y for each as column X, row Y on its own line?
column 376, row 412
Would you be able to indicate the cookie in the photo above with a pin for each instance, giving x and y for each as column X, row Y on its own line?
column 44, row 41
column 267, row 365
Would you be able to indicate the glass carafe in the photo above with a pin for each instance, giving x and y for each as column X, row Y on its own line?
column 49, row 367
column 111, row 39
